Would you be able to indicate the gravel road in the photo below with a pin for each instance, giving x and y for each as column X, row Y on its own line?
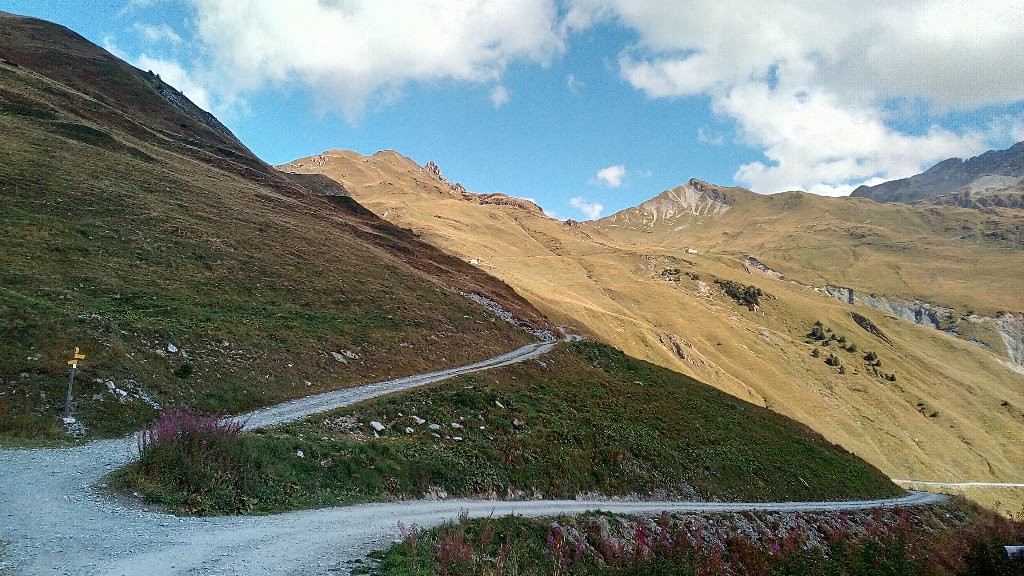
column 53, row 519
column 302, row 407
column 923, row 483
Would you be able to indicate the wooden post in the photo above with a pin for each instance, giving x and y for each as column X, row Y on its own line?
column 71, row 383
column 72, row 367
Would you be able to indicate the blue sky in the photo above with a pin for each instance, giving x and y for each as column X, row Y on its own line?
column 536, row 98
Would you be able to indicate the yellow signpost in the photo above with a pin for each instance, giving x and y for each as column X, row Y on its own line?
column 72, row 366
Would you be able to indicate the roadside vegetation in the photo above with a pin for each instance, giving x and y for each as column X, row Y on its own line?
column 915, row 542
column 585, row 419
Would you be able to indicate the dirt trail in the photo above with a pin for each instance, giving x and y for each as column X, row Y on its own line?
column 54, row 521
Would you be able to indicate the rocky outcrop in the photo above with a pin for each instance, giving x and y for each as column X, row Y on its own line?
column 494, row 198
column 756, row 264
column 434, row 170
column 502, row 200
column 967, row 199
column 916, row 311
column 1011, row 329
column 1008, row 326
column 870, row 327
column 187, row 107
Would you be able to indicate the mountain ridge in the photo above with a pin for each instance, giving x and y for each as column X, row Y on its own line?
column 995, row 172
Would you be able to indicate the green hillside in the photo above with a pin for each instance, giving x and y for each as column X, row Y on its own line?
column 135, row 226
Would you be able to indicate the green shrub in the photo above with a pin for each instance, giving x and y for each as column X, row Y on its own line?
column 749, row 296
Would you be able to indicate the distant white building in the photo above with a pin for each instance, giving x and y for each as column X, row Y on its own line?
column 474, row 261
column 691, row 251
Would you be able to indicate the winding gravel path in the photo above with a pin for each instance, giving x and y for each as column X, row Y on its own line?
column 302, row 407
column 54, row 521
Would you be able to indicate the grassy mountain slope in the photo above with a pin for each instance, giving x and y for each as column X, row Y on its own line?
column 584, row 419
column 954, row 411
column 957, row 257
column 137, row 227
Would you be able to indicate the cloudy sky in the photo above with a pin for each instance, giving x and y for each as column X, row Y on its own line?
column 590, row 106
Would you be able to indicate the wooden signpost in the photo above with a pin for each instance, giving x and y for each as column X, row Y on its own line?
column 72, row 366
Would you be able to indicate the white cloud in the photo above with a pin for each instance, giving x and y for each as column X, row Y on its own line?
column 591, row 210
column 173, row 73
column 499, row 96
column 809, row 82
column 611, row 176
column 157, row 33
column 574, row 84
column 817, row 143
column 351, row 50
column 705, row 136
column 133, row 5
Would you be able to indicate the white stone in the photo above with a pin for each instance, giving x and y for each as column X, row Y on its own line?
column 172, row 348
column 377, row 426
column 409, row 430
column 435, row 426
column 300, row 453
column 456, row 425
column 339, row 358
column 499, row 404
column 517, row 423
column 457, row 438
column 419, row 421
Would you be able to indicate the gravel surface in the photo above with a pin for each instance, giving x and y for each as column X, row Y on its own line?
column 55, row 518
column 302, row 407
column 924, row 483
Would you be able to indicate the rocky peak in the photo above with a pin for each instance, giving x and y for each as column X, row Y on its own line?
column 675, row 208
column 495, row 198
column 434, row 170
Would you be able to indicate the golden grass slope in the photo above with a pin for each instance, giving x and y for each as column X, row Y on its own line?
column 954, row 412
column 962, row 258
